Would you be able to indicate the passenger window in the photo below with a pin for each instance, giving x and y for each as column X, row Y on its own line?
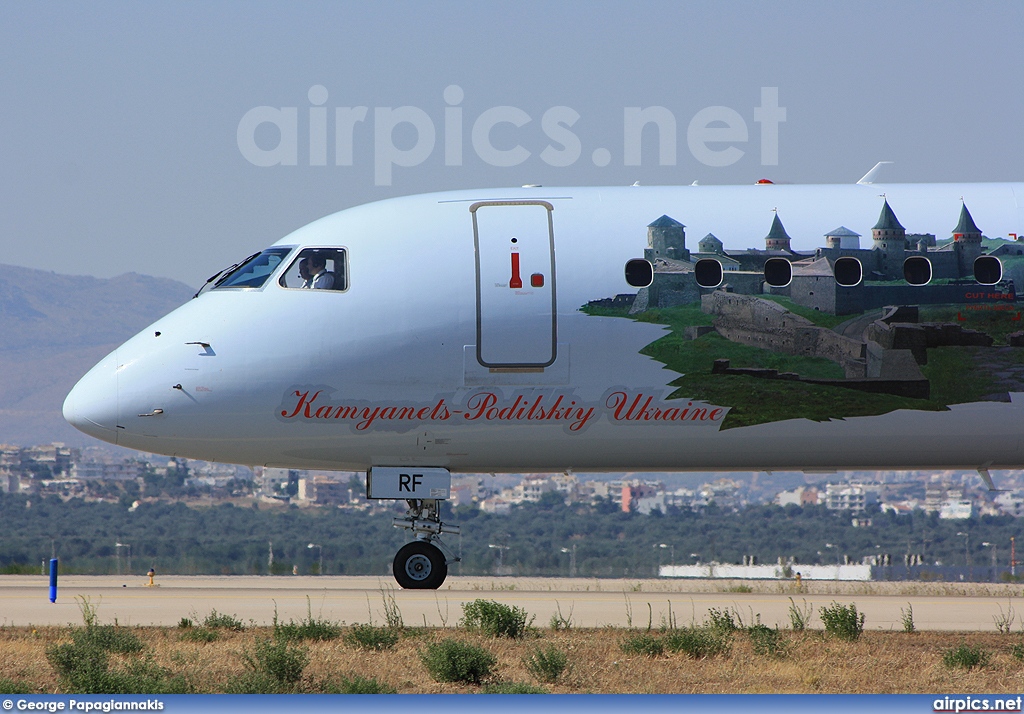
column 708, row 273
column 639, row 273
column 317, row 269
column 778, row 272
column 917, row 270
column 988, row 270
column 848, row 271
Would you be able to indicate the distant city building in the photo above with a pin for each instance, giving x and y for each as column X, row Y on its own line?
column 800, row 496
column 956, row 510
column 9, row 483
column 1011, row 503
column 272, row 480
column 465, row 490
column 723, row 492
column 848, row 497
column 108, row 470
column 496, row 505
column 532, row 487
column 938, row 493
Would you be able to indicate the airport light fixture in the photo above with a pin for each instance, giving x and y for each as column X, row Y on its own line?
column 572, row 560
column 967, row 547
column 1013, row 557
column 320, row 567
column 117, row 556
column 501, row 549
column 995, row 557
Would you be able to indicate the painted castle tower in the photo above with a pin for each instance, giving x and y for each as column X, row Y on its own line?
column 966, row 242
column 890, row 240
column 777, row 238
column 666, row 238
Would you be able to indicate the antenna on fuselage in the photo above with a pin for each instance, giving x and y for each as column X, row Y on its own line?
column 869, row 178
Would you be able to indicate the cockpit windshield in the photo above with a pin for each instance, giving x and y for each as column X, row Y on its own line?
column 254, row 271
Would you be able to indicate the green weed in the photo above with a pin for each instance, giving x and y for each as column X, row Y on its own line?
column 766, row 641
column 1017, row 651
column 109, row 638
column 965, row 657
column 199, row 634
column 392, row 615
column 454, row 661
column 84, row 668
column 256, row 683
column 495, row 619
column 799, row 616
column 643, row 644
column 560, row 623
column 355, row 685
column 722, row 620
column 317, row 630
column 548, row 664
column 907, row 617
column 1004, row 620
column 218, row 620
column 699, row 642
column 12, row 686
column 371, row 637
column 842, row 621
column 278, row 660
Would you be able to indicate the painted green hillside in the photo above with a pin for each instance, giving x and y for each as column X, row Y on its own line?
column 956, row 374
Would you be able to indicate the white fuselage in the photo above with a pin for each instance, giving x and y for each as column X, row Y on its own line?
column 430, row 357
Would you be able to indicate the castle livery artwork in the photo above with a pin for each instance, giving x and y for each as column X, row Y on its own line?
column 914, row 329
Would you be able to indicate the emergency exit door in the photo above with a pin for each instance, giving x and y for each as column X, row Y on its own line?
column 515, row 284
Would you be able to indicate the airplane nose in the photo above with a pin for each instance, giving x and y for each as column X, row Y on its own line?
column 91, row 406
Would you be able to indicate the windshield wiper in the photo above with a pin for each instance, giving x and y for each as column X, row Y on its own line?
column 225, row 273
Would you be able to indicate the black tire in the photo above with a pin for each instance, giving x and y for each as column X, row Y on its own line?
column 420, row 566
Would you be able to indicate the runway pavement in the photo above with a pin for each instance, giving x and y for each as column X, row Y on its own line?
column 589, row 602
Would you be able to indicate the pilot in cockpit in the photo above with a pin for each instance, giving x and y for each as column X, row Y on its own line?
column 307, row 277
column 321, row 279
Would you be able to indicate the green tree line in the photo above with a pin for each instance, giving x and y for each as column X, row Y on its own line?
column 533, row 539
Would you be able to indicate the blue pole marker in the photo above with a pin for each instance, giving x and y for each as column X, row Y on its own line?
column 53, row 580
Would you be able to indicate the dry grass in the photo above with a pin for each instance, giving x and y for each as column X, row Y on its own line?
column 880, row 662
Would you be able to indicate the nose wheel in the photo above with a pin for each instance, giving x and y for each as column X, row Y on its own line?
column 423, row 564
column 420, row 565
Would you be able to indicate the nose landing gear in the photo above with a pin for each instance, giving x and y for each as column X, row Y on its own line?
column 420, row 565
column 423, row 563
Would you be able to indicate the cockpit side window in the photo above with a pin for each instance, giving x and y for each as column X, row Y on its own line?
column 317, row 269
column 255, row 271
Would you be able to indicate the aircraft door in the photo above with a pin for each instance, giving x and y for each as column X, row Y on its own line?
column 515, row 284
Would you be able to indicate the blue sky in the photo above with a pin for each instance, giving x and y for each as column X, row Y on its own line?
column 120, row 121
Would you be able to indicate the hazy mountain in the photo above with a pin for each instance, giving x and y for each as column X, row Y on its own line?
column 53, row 328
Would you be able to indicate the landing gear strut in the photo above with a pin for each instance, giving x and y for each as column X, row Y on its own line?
column 423, row 563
